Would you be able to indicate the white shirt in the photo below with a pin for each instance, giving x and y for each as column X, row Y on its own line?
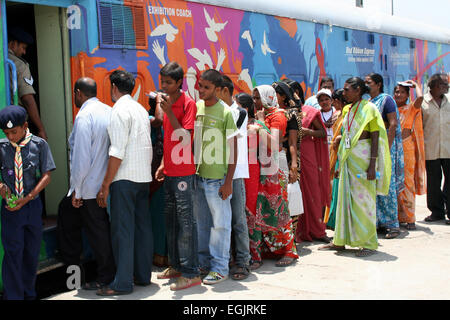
column 89, row 144
column 242, row 160
column 325, row 117
column 129, row 132
column 436, row 127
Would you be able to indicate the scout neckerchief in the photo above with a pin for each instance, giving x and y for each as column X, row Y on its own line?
column 18, row 165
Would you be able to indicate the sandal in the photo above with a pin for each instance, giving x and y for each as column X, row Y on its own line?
column 364, row 252
column 432, row 218
column 411, row 226
column 332, row 246
column 284, row 262
column 240, row 273
column 325, row 239
column 255, row 265
column 93, row 285
column 392, row 233
column 107, row 291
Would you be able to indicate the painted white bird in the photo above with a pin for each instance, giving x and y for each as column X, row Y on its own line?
column 246, row 35
column 265, row 47
column 245, row 76
column 213, row 27
column 191, row 79
column 202, row 58
column 165, row 29
column 159, row 52
column 221, row 55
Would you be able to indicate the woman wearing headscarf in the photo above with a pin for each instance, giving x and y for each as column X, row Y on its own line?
column 290, row 93
column 276, row 237
column 314, row 177
column 387, row 206
column 338, row 104
column 414, row 151
column 363, row 151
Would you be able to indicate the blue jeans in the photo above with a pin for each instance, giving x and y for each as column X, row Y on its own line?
column 213, row 217
column 239, row 224
column 131, row 234
column 181, row 226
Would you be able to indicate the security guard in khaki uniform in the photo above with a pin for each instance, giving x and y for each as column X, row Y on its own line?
column 18, row 41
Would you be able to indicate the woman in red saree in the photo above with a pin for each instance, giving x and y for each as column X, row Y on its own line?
column 413, row 149
column 314, row 177
column 268, row 219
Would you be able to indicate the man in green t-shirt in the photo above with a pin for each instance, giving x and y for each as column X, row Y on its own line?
column 215, row 139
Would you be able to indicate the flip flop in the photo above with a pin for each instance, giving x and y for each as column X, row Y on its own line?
column 107, row 292
column 255, row 265
column 240, row 273
column 284, row 262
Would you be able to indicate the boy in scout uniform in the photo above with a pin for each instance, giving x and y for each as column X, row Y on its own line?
column 18, row 41
column 25, row 162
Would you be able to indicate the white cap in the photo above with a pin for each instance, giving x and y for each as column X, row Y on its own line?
column 323, row 91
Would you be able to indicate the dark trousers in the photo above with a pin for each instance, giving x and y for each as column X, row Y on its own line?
column 95, row 223
column 438, row 199
column 181, row 225
column 131, row 234
column 21, row 236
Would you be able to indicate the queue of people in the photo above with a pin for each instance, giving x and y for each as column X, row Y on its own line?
column 213, row 188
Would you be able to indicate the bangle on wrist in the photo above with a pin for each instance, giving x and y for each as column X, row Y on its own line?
column 31, row 196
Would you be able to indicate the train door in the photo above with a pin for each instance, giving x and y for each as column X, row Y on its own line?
column 49, row 61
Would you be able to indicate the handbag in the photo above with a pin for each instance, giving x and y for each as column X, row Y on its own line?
column 295, row 199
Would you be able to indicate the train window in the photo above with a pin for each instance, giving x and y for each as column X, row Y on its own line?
column 121, row 24
column 393, row 42
column 412, row 44
column 345, row 35
column 371, row 38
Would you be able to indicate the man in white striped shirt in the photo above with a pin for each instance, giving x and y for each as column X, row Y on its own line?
column 127, row 178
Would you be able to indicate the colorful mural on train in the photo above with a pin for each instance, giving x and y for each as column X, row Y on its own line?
column 252, row 48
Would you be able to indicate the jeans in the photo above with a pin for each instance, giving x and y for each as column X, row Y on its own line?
column 131, row 234
column 213, row 217
column 181, row 225
column 239, row 224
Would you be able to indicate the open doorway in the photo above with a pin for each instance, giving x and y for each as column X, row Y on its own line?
column 49, row 62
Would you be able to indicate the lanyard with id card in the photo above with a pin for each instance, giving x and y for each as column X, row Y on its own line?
column 349, row 126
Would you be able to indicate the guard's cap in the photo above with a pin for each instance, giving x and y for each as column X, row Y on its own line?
column 17, row 33
column 12, row 116
column 323, row 91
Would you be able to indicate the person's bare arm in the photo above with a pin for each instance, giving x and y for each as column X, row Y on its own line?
column 318, row 131
column 393, row 123
column 30, row 104
column 374, row 136
column 292, row 140
column 113, row 166
column 227, row 188
column 42, row 183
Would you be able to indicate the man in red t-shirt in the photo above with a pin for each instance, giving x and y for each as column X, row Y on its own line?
column 178, row 172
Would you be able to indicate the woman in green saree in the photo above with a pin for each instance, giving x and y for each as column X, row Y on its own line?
column 364, row 171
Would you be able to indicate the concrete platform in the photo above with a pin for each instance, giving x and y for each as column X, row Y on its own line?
column 413, row 266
